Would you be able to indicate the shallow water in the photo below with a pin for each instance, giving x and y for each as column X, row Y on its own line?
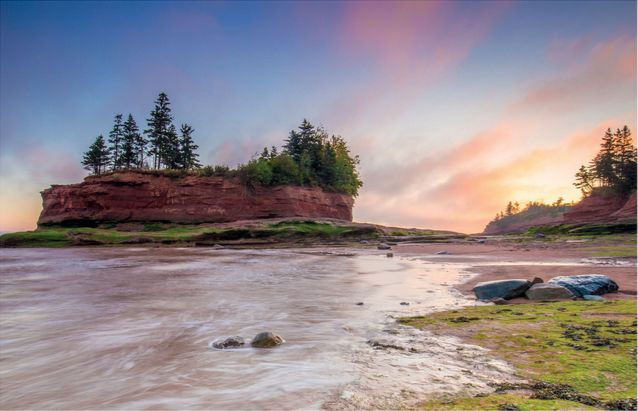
column 130, row 328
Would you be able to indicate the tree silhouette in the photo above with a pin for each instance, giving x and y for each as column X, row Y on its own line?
column 97, row 158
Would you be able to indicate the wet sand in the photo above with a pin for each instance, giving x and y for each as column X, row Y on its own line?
column 506, row 261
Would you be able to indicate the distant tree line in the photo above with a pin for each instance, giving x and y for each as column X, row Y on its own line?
column 532, row 208
column 309, row 157
column 127, row 148
column 613, row 168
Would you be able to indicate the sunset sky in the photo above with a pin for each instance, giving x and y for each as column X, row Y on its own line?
column 453, row 108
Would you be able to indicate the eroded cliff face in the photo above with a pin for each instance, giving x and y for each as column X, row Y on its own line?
column 593, row 209
column 130, row 196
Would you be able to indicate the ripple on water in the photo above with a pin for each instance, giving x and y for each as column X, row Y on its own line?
column 130, row 328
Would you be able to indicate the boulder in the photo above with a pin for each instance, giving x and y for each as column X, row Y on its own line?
column 267, row 340
column 230, row 342
column 548, row 292
column 506, row 289
column 586, row 284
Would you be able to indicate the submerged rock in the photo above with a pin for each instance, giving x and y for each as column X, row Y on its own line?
column 267, row 340
column 587, row 284
column 548, row 292
column 506, row 289
column 230, row 342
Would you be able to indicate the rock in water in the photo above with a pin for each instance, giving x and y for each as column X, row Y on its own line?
column 443, row 253
column 586, row 284
column 230, row 342
column 505, row 289
column 384, row 246
column 548, row 292
column 267, row 340
column 389, row 255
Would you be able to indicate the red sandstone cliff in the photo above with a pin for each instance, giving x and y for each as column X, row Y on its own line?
column 134, row 196
column 596, row 208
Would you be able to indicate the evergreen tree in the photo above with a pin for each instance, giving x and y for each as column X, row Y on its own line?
column 187, row 148
column 159, row 125
column 625, row 164
column 131, row 136
column 509, row 210
column 171, row 156
column 115, row 140
column 96, row 159
column 584, row 181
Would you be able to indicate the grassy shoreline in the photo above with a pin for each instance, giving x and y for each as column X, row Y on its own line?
column 576, row 355
column 280, row 232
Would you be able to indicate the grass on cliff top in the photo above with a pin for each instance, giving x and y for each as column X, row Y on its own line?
column 187, row 234
column 590, row 346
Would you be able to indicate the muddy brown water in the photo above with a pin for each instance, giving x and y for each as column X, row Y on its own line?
column 130, row 328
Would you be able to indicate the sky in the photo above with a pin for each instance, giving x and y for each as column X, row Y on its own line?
column 454, row 108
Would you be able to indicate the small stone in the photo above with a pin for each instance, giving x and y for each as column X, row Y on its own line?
column 537, row 280
column 389, row 255
column 481, row 241
column 230, row 342
column 384, row 246
column 360, row 303
column 588, row 297
column 443, row 253
column 267, row 340
column 405, row 303
column 540, row 235
column 499, row 301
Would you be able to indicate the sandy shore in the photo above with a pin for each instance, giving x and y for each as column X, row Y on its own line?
column 545, row 261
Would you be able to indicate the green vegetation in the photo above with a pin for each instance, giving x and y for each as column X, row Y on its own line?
column 501, row 401
column 174, row 234
column 533, row 210
column 613, row 168
column 584, row 351
column 310, row 157
column 585, row 229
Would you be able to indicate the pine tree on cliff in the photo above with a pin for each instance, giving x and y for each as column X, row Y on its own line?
column 159, row 126
column 171, row 156
column 97, row 158
column 116, row 137
column 603, row 163
column 625, row 160
column 584, row 181
column 130, row 138
column 187, row 148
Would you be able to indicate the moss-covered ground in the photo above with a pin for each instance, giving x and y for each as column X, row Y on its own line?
column 587, row 349
column 266, row 232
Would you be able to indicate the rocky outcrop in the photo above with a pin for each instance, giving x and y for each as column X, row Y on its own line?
column 595, row 209
column 628, row 211
column 142, row 197
column 503, row 227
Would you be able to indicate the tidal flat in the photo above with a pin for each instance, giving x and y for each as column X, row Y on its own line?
column 131, row 327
